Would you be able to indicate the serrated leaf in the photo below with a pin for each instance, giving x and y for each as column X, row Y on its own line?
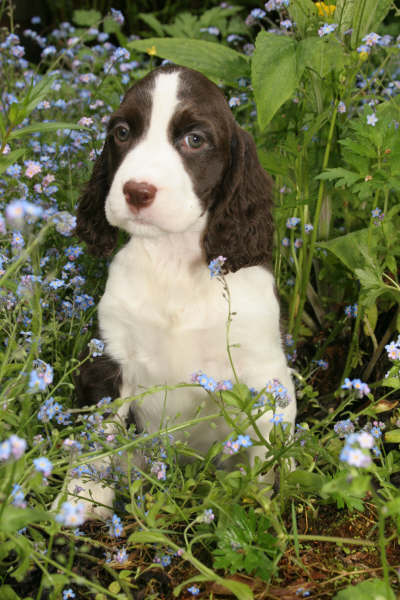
column 359, row 148
column 86, row 18
column 346, row 248
column 185, row 25
column 374, row 589
column 344, row 177
column 273, row 67
column 214, row 60
column 273, row 163
column 151, row 20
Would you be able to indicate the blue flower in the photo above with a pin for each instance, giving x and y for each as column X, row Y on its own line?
column 194, row 590
column 69, row 593
column 71, row 515
column 115, row 526
column 207, row 516
column 244, row 441
column 216, row 265
column 117, row 16
column 277, row 418
column 96, row 347
column 40, row 377
column 43, row 465
column 326, row 29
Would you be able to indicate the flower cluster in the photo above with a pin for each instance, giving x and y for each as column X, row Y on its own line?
column 216, row 265
column 393, row 349
column 356, row 384
column 40, row 377
column 377, row 216
column 96, row 347
column 207, row 516
column 356, row 450
column 209, row 384
column 351, row 310
column 71, row 514
column 51, row 409
column 232, row 446
column 326, row 29
column 43, row 465
column 14, row 447
column 115, row 526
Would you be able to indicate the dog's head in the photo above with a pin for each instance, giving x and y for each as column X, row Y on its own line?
column 175, row 160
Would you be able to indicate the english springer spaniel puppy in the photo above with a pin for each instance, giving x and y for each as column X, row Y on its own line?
column 183, row 179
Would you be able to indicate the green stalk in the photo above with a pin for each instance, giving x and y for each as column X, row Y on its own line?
column 314, row 233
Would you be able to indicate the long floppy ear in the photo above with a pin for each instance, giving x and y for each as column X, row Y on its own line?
column 92, row 226
column 240, row 225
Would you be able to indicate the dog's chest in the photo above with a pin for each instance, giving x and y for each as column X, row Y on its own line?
column 162, row 324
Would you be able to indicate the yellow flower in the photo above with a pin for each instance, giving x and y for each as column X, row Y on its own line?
column 325, row 10
column 151, row 51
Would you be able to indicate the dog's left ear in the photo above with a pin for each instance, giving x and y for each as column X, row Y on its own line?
column 240, row 224
column 92, row 226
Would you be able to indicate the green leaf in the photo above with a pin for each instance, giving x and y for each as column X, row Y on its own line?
column 7, row 593
column 344, row 14
column 274, row 74
column 392, row 437
column 347, row 248
column 273, row 163
column 110, row 25
column 14, row 518
column 86, row 18
column 152, row 22
column 214, row 60
column 344, row 177
column 302, row 12
column 374, row 589
column 310, row 482
column 148, row 537
column 367, row 16
column 43, row 127
column 320, row 55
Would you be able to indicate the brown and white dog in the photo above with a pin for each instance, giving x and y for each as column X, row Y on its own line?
column 183, row 179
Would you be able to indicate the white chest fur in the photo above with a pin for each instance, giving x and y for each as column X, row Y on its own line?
column 163, row 318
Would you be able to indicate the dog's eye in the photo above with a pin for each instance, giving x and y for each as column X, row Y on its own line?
column 122, row 132
column 194, row 141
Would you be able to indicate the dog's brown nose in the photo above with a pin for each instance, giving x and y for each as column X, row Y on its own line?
column 139, row 194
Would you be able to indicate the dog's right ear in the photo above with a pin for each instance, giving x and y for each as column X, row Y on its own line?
column 92, row 226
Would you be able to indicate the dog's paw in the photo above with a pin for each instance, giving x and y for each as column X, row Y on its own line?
column 97, row 499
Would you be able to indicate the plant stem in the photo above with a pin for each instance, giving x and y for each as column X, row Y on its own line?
column 314, row 233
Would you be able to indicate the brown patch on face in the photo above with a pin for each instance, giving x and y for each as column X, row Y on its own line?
column 200, row 102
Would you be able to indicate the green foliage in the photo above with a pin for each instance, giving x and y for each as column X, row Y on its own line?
column 244, row 542
column 214, row 60
column 274, row 67
column 374, row 589
column 306, row 100
column 192, row 26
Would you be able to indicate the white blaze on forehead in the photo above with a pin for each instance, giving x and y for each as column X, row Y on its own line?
column 154, row 159
column 164, row 101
